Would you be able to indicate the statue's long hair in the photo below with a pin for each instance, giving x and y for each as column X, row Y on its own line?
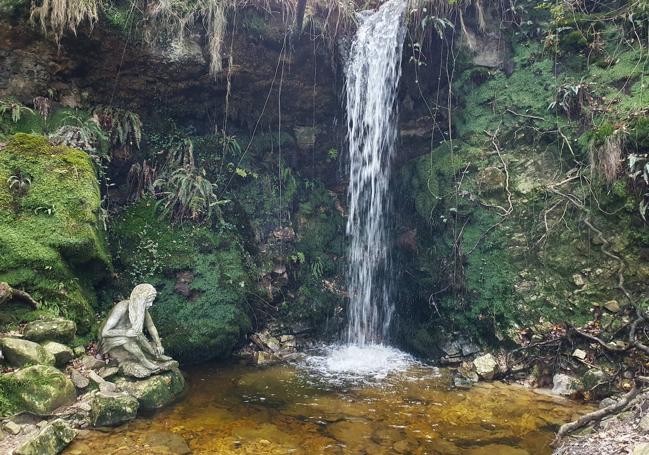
column 137, row 305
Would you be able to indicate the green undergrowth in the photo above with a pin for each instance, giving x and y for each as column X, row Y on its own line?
column 204, row 278
column 51, row 238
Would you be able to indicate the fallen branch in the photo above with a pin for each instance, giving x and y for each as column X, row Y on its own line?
column 596, row 415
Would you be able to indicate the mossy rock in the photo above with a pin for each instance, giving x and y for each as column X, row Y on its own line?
column 19, row 352
column 50, row 440
column 62, row 354
column 157, row 391
column 110, row 409
column 51, row 241
column 39, row 389
column 203, row 279
column 62, row 330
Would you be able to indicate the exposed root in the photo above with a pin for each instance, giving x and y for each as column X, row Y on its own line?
column 8, row 293
column 596, row 415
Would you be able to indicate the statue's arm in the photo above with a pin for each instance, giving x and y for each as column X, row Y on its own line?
column 109, row 329
column 150, row 326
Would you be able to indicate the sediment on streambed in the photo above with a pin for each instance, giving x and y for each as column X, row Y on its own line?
column 203, row 147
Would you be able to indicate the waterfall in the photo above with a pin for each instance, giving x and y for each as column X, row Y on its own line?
column 372, row 76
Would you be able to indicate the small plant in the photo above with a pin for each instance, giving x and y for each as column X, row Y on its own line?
column 188, row 195
column 57, row 16
column 43, row 106
column 297, row 258
column 122, row 127
column 14, row 109
column 82, row 133
column 140, row 180
column 572, row 99
column 19, row 184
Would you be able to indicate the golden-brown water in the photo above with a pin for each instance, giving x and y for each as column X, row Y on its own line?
column 237, row 409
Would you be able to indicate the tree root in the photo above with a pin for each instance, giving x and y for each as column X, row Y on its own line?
column 8, row 293
column 596, row 415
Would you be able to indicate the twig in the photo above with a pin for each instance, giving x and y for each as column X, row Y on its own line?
column 525, row 115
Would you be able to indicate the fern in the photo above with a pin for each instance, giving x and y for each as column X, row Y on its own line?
column 13, row 108
column 83, row 133
column 188, row 195
column 122, row 127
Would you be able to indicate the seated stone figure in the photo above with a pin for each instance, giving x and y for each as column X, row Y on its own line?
column 122, row 336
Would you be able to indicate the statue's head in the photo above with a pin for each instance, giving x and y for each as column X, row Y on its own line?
column 142, row 297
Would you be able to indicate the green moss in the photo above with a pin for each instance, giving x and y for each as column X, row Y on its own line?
column 51, row 243
column 213, row 318
column 38, row 389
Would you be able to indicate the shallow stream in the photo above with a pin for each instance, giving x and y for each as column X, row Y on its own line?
column 302, row 409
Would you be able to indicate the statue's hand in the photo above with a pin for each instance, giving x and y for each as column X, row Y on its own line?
column 159, row 350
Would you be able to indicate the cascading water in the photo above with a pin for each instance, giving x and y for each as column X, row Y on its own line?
column 372, row 78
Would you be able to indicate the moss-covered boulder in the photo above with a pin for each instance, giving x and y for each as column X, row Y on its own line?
column 62, row 354
column 203, row 279
column 50, row 440
column 62, row 330
column 39, row 389
column 19, row 352
column 51, row 241
column 155, row 392
column 110, row 409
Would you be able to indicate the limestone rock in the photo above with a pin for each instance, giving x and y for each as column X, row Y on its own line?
column 564, row 385
column 41, row 389
column 110, row 409
column 92, row 363
column 264, row 358
column 19, row 352
column 51, row 440
column 486, row 366
column 61, row 330
column 156, row 391
column 12, row 427
column 641, row 448
column 613, row 306
column 644, row 423
column 78, row 379
column 579, row 353
column 62, row 353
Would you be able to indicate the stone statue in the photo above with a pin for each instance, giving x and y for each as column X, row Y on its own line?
column 122, row 336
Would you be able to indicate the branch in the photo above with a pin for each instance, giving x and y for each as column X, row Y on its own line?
column 596, row 415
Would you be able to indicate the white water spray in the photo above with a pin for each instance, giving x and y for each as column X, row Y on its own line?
column 372, row 77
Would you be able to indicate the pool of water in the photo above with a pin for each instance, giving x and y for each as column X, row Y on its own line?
column 313, row 407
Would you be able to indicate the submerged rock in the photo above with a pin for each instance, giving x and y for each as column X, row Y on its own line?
column 62, row 330
column 19, row 352
column 39, row 389
column 157, row 391
column 486, row 366
column 62, row 353
column 110, row 409
column 51, row 440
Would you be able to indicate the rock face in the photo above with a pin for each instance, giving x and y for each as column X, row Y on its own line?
column 51, row 440
column 486, row 366
column 61, row 330
column 38, row 250
column 62, row 353
column 39, row 389
column 156, row 391
column 110, row 409
column 21, row 352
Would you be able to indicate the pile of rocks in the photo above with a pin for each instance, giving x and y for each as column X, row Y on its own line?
column 266, row 348
column 57, row 389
